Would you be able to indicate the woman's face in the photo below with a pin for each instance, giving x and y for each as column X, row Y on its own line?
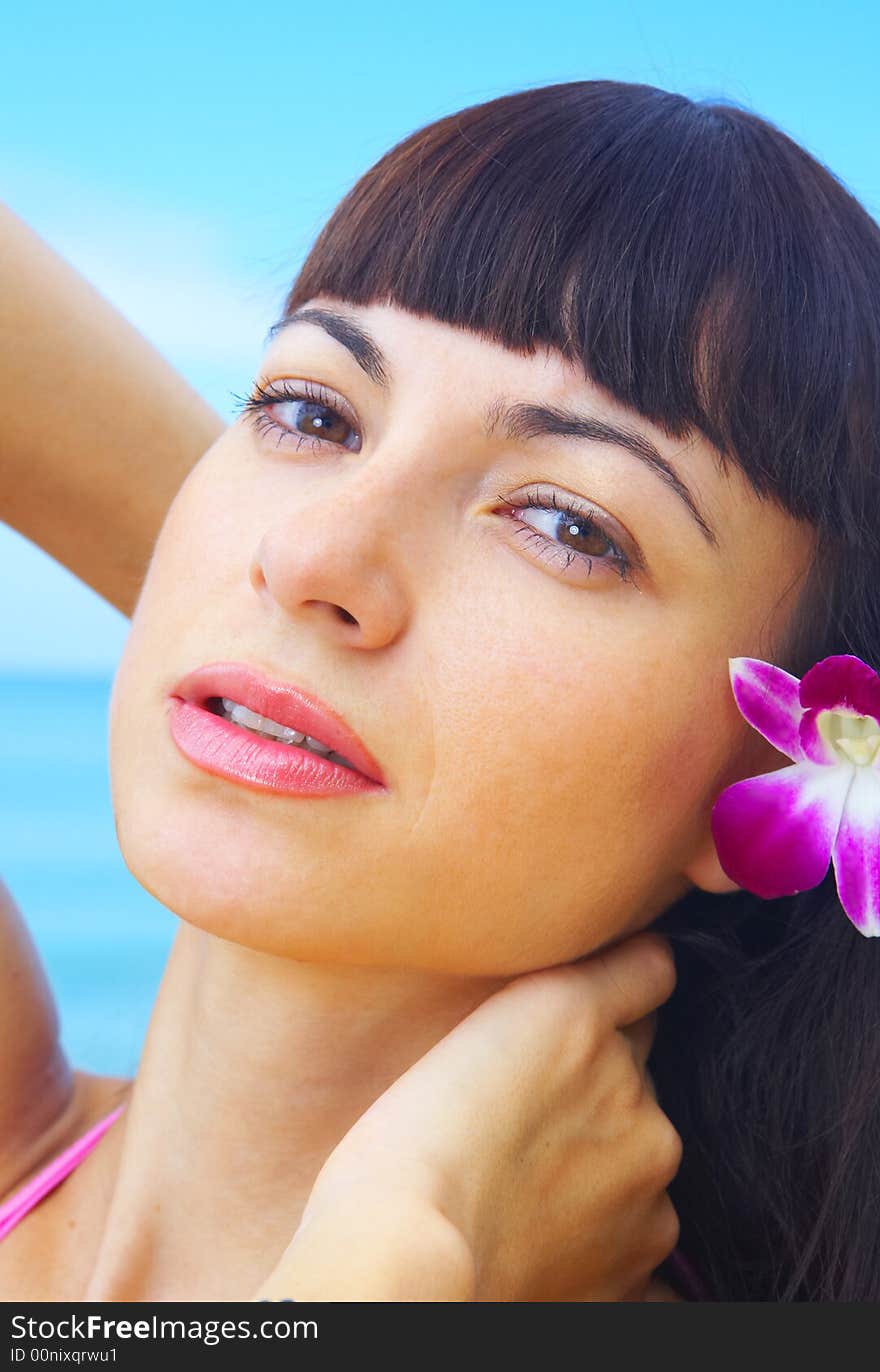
column 552, row 736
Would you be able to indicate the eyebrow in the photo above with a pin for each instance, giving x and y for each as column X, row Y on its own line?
column 521, row 421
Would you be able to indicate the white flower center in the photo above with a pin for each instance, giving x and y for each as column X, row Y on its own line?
column 854, row 738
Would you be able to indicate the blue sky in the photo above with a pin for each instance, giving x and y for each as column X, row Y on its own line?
column 184, row 156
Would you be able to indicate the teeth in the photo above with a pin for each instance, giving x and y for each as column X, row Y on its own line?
column 258, row 724
column 242, row 715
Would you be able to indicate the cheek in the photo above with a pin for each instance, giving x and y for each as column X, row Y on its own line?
column 203, row 543
column 201, row 556
column 200, row 543
column 567, row 792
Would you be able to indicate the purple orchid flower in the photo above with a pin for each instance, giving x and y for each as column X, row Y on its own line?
column 776, row 834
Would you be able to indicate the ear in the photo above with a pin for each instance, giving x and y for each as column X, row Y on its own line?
column 756, row 757
column 705, row 871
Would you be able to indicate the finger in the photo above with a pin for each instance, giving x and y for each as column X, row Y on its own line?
column 640, row 1036
column 633, row 977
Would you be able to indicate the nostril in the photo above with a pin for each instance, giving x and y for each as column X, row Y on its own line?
column 345, row 616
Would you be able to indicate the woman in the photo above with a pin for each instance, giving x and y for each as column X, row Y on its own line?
column 419, row 1194
column 574, row 398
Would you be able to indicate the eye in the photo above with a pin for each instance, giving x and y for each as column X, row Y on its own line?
column 301, row 410
column 564, row 532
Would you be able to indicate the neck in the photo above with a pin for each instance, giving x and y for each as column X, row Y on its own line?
column 253, row 1068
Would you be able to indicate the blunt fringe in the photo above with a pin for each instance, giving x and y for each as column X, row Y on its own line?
column 713, row 276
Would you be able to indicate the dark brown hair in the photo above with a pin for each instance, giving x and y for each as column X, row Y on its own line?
column 713, row 276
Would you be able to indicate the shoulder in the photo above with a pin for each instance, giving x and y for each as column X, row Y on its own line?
column 42, row 1098
column 89, row 1098
column 36, row 1083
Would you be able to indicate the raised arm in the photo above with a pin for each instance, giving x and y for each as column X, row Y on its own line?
column 97, row 429
column 97, row 432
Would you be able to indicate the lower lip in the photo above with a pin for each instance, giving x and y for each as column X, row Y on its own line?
column 227, row 750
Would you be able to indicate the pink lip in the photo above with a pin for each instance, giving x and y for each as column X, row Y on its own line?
column 225, row 749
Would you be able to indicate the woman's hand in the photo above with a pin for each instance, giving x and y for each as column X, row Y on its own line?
column 523, row 1158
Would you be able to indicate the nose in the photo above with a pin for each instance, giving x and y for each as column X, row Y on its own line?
column 342, row 558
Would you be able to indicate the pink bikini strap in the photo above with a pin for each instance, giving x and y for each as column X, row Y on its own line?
column 33, row 1191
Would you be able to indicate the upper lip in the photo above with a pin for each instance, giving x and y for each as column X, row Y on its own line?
column 282, row 701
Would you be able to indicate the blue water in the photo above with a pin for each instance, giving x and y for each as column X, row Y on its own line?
column 103, row 939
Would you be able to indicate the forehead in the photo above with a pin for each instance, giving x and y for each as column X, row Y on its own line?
column 395, row 347
column 403, row 337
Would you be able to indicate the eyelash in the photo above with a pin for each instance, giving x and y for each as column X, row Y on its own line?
column 256, row 408
column 587, row 523
column 257, row 405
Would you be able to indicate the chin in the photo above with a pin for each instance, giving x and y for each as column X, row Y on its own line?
column 223, row 887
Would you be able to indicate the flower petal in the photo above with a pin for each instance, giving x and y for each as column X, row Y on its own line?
column 815, row 747
column 841, row 680
column 856, row 853
column 769, row 699
column 774, row 833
